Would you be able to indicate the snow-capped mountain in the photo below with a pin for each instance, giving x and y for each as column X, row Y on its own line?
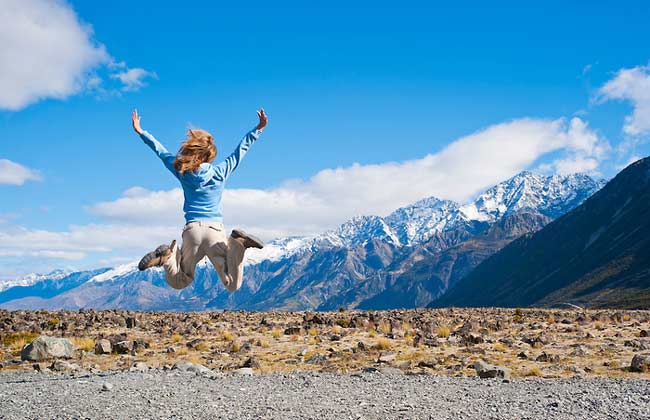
column 32, row 279
column 415, row 224
column 325, row 270
column 547, row 195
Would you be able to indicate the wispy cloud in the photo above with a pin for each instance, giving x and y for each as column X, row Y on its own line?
column 133, row 79
column 631, row 85
column 12, row 173
column 46, row 51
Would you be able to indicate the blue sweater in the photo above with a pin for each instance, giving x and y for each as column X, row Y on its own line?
column 203, row 189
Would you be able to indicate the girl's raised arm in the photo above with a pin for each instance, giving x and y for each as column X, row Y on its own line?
column 162, row 152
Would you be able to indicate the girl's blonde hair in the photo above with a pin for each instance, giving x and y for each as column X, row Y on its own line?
column 198, row 148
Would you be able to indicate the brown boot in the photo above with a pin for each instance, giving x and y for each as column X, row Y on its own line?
column 157, row 257
column 249, row 241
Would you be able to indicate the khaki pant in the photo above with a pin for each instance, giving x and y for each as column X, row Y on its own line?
column 206, row 238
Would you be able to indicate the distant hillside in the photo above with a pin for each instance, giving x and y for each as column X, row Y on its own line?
column 597, row 255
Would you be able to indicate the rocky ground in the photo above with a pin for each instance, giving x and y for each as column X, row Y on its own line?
column 528, row 343
column 177, row 394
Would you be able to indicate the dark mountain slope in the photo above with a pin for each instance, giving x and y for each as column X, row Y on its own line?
column 596, row 255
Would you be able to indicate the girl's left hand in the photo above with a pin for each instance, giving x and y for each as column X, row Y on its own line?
column 263, row 119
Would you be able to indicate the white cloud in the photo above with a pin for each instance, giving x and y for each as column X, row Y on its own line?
column 46, row 51
column 133, row 79
column 12, row 173
column 631, row 85
column 331, row 196
column 79, row 241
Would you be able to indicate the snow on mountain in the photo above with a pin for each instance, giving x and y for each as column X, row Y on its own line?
column 32, row 279
column 417, row 222
column 276, row 249
column 118, row 271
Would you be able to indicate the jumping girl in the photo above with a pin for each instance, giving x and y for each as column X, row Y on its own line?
column 203, row 184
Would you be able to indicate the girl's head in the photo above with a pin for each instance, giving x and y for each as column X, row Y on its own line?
column 198, row 148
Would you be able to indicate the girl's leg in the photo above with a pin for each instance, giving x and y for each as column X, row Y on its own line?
column 227, row 257
column 179, row 268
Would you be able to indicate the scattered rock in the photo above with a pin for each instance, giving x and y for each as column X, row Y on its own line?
column 195, row 368
column 484, row 370
column 139, row 367
column 38, row 367
column 107, row 387
column 244, row 371
column 386, row 357
column 640, row 363
column 103, row 346
column 547, row 358
column 251, row 362
column 63, row 366
column 132, row 322
column 316, row 359
column 193, row 344
column 123, row 347
column 44, row 348
column 292, row 331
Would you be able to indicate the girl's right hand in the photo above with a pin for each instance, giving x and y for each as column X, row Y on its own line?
column 135, row 119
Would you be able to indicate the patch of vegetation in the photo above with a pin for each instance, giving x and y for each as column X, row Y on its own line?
column 83, row 343
column 10, row 339
column 345, row 323
column 383, row 343
column 443, row 332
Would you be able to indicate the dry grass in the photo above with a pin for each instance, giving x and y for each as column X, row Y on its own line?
column 22, row 338
column 443, row 332
column 227, row 335
column 83, row 343
column 312, row 332
column 276, row 333
column 384, row 327
column 202, row 346
column 501, row 348
column 176, row 338
column 383, row 344
column 534, row 371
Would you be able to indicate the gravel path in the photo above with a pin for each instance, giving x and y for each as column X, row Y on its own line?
column 183, row 395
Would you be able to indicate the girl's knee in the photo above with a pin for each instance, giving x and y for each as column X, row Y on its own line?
column 177, row 283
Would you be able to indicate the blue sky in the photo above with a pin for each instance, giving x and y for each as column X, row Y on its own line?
column 372, row 90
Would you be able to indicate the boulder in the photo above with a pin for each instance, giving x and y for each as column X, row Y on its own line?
column 123, row 347
column 640, row 363
column 44, row 348
column 132, row 322
column 386, row 357
column 251, row 362
column 103, row 346
column 484, row 370
column 194, row 368
column 139, row 367
column 63, row 366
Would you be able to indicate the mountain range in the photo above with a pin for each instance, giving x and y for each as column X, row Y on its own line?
column 406, row 259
